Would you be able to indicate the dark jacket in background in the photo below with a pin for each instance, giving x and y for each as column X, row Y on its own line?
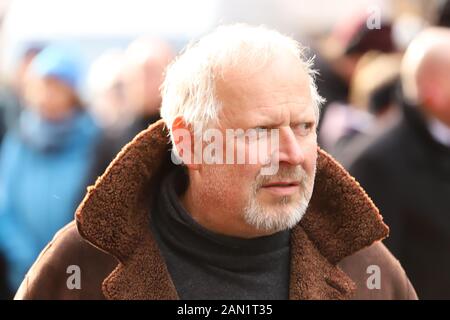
column 407, row 174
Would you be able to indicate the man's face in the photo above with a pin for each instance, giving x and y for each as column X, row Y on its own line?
column 433, row 83
column 142, row 87
column 277, row 97
column 441, row 93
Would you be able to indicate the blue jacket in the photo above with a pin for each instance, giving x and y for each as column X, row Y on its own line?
column 43, row 174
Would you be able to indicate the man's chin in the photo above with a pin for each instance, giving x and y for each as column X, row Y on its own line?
column 272, row 202
column 280, row 216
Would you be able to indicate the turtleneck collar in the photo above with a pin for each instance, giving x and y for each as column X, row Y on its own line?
column 180, row 231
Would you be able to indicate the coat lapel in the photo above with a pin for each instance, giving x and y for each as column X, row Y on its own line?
column 114, row 217
column 341, row 220
column 313, row 277
column 143, row 277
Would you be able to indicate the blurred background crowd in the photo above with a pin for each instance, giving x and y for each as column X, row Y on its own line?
column 79, row 79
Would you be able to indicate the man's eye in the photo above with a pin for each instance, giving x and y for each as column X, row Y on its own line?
column 304, row 128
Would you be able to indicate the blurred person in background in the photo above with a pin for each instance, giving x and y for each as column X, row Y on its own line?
column 12, row 95
column 443, row 15
column 11, row 104
column 407, row 170
column 144, row 65
column 338, row 57
column 107, row 100
column 142, row 74
column 44, row 164
column 372, row 97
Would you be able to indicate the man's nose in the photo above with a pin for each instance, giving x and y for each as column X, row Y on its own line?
column 290, row 151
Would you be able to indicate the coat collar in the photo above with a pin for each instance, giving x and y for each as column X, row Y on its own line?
column 341, row 219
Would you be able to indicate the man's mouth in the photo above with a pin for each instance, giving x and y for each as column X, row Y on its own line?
column 281, row 188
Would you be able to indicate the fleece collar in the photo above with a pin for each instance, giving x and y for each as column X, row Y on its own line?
column 340, row 220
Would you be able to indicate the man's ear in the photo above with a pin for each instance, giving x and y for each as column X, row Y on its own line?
column 183, row 139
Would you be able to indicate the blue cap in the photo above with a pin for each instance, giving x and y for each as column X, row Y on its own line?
column 59, row 62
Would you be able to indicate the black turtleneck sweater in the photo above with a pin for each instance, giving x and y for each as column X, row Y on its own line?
column 207, row 265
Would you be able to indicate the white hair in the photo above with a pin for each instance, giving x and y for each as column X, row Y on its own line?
column 431, row 45
column 189, row 86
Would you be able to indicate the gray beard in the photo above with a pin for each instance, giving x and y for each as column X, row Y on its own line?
column 287, row 213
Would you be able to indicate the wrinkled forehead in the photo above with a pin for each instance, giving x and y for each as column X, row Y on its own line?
column 280, row 88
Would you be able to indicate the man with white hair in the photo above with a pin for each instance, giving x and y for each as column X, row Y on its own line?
column 244, row 207
column 407, row 170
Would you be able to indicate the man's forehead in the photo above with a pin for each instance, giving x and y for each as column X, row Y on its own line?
column 284, row 65
column 277, row 70
column 280, row 86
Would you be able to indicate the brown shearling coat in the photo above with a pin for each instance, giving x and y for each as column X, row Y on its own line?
column 110, row 240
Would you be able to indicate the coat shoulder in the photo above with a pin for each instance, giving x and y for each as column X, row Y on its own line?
column 378, row 274
column 67, row 268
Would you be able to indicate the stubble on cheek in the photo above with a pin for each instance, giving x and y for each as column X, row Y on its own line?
column 226, row 189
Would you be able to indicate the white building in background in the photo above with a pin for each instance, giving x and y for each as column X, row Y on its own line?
column 101, row 24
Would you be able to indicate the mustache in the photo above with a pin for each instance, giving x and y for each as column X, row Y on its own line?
column 295, row 174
